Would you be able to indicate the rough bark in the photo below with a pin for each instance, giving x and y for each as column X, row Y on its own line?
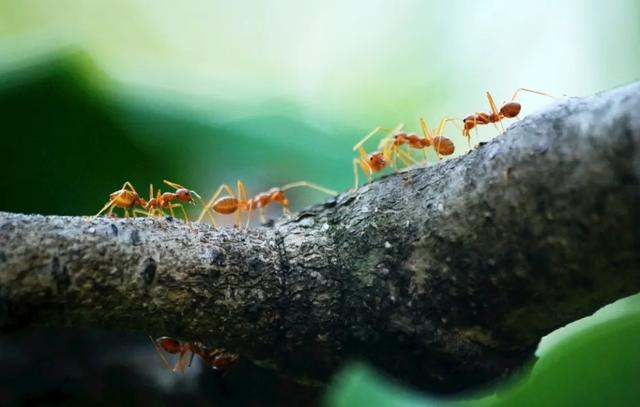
column 446, row 276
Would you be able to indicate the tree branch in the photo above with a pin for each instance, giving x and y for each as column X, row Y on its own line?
column 446, row 276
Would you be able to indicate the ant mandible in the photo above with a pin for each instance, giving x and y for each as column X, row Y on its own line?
column 239, row 202
column 125, row 198
column 508, row 110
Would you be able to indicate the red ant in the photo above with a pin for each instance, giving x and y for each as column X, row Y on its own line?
column 216, row 359
column 238, row 202
column 441, row 144
column 156, row 204
column 374, row 162
column 125, row 198
column 508, row 111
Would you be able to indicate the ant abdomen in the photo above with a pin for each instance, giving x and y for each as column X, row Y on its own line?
column 226, row 205
column 511, row 109
column 443, row 145
column 170, row 345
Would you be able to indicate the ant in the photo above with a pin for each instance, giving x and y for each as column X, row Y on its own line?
column 125, row 198
column 509, row 110
column 238, row 202
column 376, row 161
column 165, row 200
column 151, row 207
column 441, row 144
column 216, row 359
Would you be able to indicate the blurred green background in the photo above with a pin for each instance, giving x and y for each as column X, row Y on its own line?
column 93, row 93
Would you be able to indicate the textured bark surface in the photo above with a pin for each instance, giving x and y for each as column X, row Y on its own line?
column 446, row 276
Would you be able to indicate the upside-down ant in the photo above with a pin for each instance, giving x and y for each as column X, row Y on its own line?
column 217, row 359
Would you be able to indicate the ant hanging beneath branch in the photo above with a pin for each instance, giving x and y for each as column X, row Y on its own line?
column 508, row 110
column 236, row 203
column 217, row 359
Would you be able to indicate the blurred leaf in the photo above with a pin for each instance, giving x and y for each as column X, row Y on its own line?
column 597, row 364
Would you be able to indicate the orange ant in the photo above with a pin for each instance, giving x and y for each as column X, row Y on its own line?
column 165, row 200
column 125, row 198
column 441, row 144
column 216, row 359
column 509, row 110
column 151, row 207
column 237, row 203
column 374, row 162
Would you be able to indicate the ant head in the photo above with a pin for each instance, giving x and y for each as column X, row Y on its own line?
column 278, row 196
column 184, row 195
column 399, row 134
column 170, row 345
column 377, row 161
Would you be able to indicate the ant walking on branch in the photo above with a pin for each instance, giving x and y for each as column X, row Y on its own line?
column 508, row 110
column 125, row 198
column 374, row 162
column 165, row 200
column 236, row 203
column 441, row 145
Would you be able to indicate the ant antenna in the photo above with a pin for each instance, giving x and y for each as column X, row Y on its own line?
column 310, row 185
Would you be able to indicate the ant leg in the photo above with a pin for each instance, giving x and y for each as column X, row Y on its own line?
column 207, row 207
column 141, row 212
column 515, row 94
column 425, row 130
column 184, row 212
column 406, row 159
column 242, row 195
column 494, row 110
column 109, row 206
column 368, row 136
column 366, row 170
column 206, row 210
column 263, row 217
column 173, row 184
column 164, row 360
column 128, row 184
column 181, row 363
column 308, row 185
column 356, row 162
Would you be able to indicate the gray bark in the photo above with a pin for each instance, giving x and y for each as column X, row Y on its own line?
column 446, row 276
